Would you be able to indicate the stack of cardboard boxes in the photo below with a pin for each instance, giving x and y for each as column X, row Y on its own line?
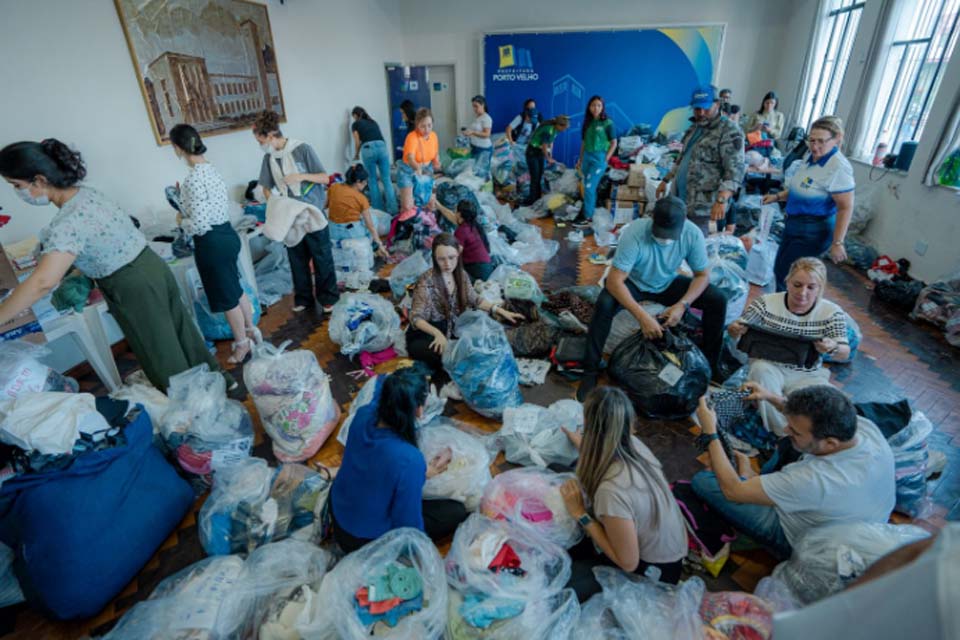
column 627, row 201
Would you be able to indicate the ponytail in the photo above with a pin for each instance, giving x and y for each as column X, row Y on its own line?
column 188, row 140
column 60, row 166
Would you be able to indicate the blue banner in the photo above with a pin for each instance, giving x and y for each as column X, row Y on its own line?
column 644, row 76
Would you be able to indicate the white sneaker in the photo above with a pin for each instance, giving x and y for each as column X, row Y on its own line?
column 451, row 391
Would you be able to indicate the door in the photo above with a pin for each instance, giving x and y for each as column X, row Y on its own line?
column 443, row 101
column 405, row 83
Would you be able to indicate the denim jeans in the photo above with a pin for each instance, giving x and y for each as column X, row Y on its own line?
column 375, row 158
column 348, row 231
column 592, row 167
column 803, row 236
column 757, row 521
column 481, row 161
column 422, row 183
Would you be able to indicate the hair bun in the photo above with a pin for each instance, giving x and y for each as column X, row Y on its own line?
column 68, row 161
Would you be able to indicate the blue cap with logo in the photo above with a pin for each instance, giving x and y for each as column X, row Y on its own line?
column 703, row 97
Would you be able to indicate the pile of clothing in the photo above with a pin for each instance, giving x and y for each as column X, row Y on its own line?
column 390, row 595
column 292, row 396
column 363, row 322
column 530, row 498
column 411, row 231
column 507, row 583
column 939, row 303
column 252, row 504
column 532, row 435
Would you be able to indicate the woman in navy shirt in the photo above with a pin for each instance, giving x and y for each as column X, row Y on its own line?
column 379, row 487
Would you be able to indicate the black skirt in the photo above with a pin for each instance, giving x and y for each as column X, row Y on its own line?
column 216, row 254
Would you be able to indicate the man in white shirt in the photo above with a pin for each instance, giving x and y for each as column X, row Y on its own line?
column 846, row 472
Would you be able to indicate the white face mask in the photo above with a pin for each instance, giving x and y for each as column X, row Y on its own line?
column 664, row 242
column 266, row 147
column 29, row 198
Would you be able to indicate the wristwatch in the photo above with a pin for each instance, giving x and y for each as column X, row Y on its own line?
column 721, row 200
column 585, row 520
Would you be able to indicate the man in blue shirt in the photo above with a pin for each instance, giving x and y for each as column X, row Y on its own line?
column 645, row 266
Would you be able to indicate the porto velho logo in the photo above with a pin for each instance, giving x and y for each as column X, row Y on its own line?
column 516, row 64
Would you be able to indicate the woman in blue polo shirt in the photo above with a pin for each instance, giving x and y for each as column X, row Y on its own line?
column 819, row 200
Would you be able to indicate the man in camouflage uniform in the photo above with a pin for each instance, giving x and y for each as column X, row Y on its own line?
column 710, row 168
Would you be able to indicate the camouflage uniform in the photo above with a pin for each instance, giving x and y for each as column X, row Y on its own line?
column 716, row 164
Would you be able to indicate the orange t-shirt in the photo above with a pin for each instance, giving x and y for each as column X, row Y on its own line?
column 422, row 149
column 345, row 204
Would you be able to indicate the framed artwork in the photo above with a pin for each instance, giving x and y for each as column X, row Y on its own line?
column 208, row 63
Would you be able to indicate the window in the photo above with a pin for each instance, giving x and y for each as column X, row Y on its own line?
column 925, row 33
column 831, row 55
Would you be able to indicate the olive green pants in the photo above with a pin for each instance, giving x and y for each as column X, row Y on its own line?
column 144, row 299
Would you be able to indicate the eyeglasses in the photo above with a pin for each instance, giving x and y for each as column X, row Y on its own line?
column 819, row 140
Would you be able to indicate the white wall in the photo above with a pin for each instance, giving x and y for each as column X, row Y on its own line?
column 67, row 74
column 437, row 31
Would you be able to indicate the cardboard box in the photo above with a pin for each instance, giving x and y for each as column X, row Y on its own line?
column 24, row 325
column 636, row 177
column 628, row 193
column 624, row 211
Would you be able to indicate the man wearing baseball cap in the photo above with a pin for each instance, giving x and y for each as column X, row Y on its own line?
column 710, row 168
column 645, row 266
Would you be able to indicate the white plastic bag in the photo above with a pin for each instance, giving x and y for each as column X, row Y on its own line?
column 909, row 446
column 353, row 254
column 530, row 498
column 827, row 558
column 468, row 473
column 408, row 272
column 648, row 609
column 22, row 372
column 198, row 407
column 363, row 322
column 516, row 284
column 292, row 396
column 382, row 221
column 336, row 608
column 760, row 264
column 532, row 435
column 732, row 282
column 598, row 620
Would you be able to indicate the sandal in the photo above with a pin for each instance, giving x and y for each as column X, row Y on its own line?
column 240, row 349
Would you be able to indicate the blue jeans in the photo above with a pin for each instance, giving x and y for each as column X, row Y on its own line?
column 593, row 165
column 757, row 521
column 348, row 231
column 481, row 161
column 375, row 157
column 803, row 237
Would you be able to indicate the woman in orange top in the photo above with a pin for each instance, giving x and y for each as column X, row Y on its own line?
column 421, row 156
column 349, row 210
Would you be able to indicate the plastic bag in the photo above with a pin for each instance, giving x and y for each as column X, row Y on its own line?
column 481, row 364
column 530, row 498
column 598, row 620
column 727, row 247
column 469, row 470
column 532, row 435
column 939, row 302
column 273, row 274
column 909, row 446
column 214, row 325
column 22, row 372
column 353, row 254
column 665, row 378
column 727, row 276
column 827, row 558
column 602, row 224
column 292, row 396
column 516, row 284
column 363, row 322
column 225, row 597
column 337, row 608
column 408, row 272
column 154, row 402
column 760, row 263
column 648, row 609
column 433, row 408
column 450, row 194
column 252, row 504
column 381, row 221
column 737, row 615
column 551, row 617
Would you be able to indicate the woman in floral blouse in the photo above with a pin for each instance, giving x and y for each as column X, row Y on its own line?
column 94, row 235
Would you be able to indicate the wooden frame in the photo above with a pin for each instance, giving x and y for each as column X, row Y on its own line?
column 176, row 82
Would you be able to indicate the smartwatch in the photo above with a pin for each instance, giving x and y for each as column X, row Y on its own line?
column 585, row 520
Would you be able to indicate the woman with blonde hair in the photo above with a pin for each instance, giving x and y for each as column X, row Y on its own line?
column 421, row 157
column 819, row 197
column 636, row 523
column 800, row 312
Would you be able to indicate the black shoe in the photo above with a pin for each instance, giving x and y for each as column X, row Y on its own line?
column 587, row 384
column 580, row 222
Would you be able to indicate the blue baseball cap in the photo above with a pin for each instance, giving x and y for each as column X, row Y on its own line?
column 703, row 97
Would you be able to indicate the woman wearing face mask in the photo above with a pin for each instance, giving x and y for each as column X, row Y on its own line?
column 481, row 147
column 767, row 119
column 92, row 234
column 421, row 157
column 349, row 210
column 524, row 124
column 819, row 197
column 372, row 150
column 803, row 312
column 294, row 169
column 440, row 296
column 204, row 215
column 598, row 142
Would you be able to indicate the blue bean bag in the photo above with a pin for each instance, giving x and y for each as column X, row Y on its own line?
column 81, row 534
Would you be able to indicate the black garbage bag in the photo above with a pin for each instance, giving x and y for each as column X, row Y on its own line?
column 664, row 378
column 449, row 194
column 900, row 293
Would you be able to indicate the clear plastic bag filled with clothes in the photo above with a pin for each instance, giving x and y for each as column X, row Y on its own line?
column 252, row 504
column 530, row 498
column 363, row 322
column 516, row 284
column 727, row 276
column 598, row 621
column 727, row 247
column 402, row 566
column 468, row 473
column 22, row 372
column 197, row 397
column 482, row 365
column 292, row 396
column 232, row 441
column 353, row 254
column 546, row 617
column 648, row 609
column 828, row 558
column 910, row 454
column 408, row 272
column 533, row 435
